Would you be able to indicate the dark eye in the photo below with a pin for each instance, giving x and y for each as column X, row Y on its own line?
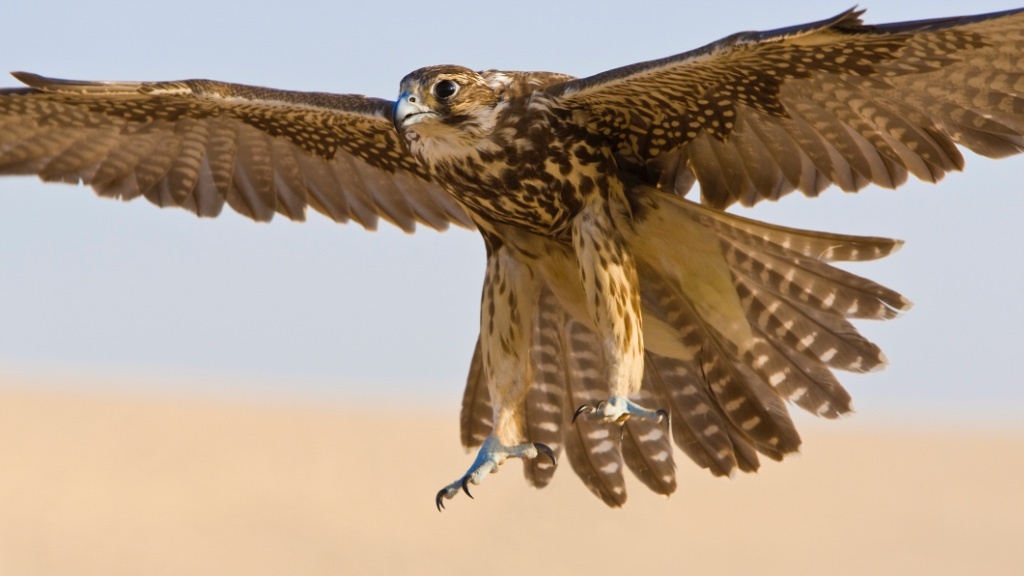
column 445, row 89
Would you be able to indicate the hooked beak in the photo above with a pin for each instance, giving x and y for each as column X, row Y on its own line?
column 408, row 111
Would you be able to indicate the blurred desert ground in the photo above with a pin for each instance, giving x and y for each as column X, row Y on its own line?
column 118, row 481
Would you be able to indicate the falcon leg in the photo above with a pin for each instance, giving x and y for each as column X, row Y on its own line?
column 511, row 292
column 491, row 455
column 608, row 271
column 618, row 409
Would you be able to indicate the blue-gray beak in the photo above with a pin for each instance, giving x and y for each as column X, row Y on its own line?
column 408, row 110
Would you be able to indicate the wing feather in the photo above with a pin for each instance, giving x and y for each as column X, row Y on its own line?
column 289, row 185
column 594, row 449
column 647, row 448
column 544, row 405
column 833, row 102
column 252, row 194
column 321, row 185
column 477, row 419
column 753, row 410
column 198, row 144
column 698, row 427
column 765, row 171
column 187, row 166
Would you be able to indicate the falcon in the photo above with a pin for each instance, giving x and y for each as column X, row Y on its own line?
column 618, row 316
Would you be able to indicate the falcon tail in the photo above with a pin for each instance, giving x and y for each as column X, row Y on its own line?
column 740, row 317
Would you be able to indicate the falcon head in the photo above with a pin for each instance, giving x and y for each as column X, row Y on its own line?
column 444, row 101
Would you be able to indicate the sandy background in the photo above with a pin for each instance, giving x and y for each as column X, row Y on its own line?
column 112, row 483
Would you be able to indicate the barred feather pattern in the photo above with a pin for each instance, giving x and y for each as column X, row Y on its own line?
column 477, row 417
column 568, row 370
column 749, row 406
column 726, row 399
column 647, row 447
column 796, row 304
column 698, row 426
column 199, row 145
column 543, row 406
column 594, row 449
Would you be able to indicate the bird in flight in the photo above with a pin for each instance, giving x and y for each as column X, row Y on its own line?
column 618, row 317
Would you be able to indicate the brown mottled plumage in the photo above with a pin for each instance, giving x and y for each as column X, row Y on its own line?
column 605, row 289
column 198, row 144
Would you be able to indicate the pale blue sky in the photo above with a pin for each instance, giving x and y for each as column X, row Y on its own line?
column 158, row 297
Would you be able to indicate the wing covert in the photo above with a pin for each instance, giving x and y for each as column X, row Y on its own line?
column 200, row 144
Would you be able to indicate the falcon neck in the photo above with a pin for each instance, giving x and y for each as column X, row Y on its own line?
column 437, row 144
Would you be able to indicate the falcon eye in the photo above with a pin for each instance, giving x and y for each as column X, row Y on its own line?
column 445, row 89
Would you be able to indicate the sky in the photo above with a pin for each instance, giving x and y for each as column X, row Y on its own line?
column 104, row 293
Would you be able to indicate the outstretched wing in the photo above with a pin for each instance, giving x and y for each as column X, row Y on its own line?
column 199, row 144
column 759, row 114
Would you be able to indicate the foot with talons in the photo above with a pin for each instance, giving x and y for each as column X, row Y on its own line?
column 617, row 410
column 491, row 455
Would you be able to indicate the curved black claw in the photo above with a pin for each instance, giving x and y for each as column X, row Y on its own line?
column 583, row 409
column 543, row 448
column 662, row 416
column 488, row 459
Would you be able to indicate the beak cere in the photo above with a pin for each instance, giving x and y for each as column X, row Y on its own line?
column 408, row 111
